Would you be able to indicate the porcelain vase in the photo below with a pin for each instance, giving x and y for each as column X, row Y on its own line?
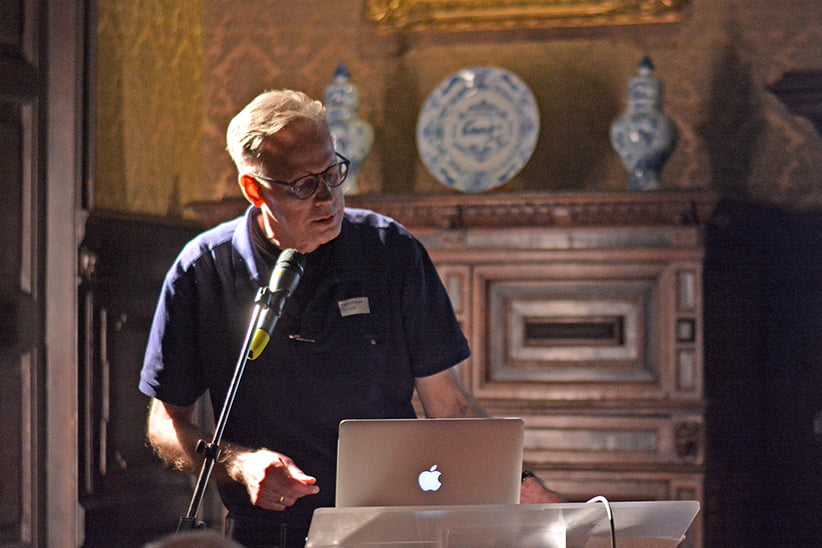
column 643, row 136
column 353, row 136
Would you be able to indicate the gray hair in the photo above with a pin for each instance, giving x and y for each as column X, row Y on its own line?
column 267, row 114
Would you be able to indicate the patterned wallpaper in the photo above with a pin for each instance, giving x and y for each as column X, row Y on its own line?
column 170, row 76
column 149, row 105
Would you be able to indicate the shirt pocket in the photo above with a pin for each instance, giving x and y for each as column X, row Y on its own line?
column 346, row 321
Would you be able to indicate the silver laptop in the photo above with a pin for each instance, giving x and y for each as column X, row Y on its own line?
column 421, row 462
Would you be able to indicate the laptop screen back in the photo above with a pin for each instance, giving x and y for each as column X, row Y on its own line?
column 421, row 462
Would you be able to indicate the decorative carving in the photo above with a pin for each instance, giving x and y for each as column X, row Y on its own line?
column 543, row 210
column 88, row 265
column 457, row 15
column 687, row 440
column 458, row 211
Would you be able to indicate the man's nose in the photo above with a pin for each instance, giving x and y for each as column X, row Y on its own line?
column 324, row 192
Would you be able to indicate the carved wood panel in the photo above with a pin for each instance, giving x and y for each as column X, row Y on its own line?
column 584, row 315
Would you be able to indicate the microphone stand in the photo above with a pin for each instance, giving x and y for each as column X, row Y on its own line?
column 211, row 451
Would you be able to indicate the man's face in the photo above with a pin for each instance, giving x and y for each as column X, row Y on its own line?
column 299, row 149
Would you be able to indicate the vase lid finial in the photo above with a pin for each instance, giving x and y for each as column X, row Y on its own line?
column 645, row 66
column 341, row 72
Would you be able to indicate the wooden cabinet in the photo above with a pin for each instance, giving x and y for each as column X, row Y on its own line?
column 584, row 314
column 128, row 497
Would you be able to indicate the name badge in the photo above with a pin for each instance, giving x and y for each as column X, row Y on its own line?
column 351, row 307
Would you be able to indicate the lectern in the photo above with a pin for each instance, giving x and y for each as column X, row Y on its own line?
column 653, row 524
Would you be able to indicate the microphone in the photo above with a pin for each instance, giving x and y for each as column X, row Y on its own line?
column 284, row 279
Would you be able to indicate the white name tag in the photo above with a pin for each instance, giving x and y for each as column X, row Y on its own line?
column 351, row 307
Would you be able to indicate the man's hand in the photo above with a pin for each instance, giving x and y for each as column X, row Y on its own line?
column 533, row 491
column 272, row 480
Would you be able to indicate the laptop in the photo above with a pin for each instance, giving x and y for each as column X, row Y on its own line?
column 422, row 462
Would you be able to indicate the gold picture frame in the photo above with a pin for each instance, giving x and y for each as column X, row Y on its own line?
column 459, row 15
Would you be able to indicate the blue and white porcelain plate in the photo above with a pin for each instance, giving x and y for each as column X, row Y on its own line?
column 478, row 129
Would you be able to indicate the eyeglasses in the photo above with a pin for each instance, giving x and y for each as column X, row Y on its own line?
column 304, row 187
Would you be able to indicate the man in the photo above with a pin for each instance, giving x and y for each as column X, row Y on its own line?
column 367, row 325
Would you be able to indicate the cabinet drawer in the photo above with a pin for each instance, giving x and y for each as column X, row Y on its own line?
column 613, row 441
column 587, row 331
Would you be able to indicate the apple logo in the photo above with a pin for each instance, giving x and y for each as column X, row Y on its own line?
column 429, row 480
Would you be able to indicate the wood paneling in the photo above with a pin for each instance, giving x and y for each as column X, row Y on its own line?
column 22, row 360
column 584, row 314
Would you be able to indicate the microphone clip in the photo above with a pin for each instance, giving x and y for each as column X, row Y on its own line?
column 274, row 301
column 265, row 296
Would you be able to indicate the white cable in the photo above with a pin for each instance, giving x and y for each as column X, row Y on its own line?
column 610, row 514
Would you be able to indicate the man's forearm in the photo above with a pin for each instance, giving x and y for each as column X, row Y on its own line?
column 174, row 438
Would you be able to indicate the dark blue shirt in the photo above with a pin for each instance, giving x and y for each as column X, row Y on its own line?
column 368, row 317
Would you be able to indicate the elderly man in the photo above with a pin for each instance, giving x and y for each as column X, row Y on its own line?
column 368, row 324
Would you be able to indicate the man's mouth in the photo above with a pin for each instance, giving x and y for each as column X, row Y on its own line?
column 325, row 220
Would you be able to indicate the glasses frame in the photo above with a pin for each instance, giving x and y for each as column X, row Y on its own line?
column 317, row 177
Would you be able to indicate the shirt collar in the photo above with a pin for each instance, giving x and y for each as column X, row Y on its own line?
column 241, row 242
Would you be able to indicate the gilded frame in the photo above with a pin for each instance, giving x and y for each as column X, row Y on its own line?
column 460, row 15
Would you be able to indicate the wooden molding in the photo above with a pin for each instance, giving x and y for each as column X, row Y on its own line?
column 542, row 209
column 494, row 210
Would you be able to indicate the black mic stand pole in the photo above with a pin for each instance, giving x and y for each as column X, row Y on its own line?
column 211, row 451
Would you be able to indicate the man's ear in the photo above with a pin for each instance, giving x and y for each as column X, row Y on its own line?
column 251, row 190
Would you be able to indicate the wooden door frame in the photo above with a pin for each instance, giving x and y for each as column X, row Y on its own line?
column 63, row 222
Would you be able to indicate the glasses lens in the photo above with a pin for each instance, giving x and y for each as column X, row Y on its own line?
column 333, row 177
column 306, row 187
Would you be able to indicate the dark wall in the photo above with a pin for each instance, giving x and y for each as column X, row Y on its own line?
column 763, row 368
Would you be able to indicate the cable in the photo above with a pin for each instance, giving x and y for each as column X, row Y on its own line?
column 610, row 514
